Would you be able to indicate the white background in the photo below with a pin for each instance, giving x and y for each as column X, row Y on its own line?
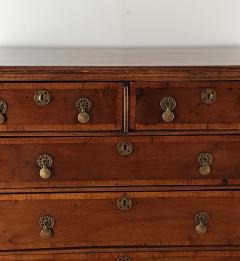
column 119, row 22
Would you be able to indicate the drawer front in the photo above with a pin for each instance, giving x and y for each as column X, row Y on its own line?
column 192, row 105
column 158, row 160
column 127, row 256
column 69, row 106
column 117, row 219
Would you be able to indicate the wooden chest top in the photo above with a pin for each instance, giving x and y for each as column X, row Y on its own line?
column 120, row 154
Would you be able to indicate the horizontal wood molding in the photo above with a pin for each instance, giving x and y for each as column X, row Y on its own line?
column 66, row 74
column 113, row 254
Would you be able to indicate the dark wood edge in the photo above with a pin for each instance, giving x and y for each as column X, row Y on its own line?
column 133, row 106
column 126, row 97
column 9, row 134
column 233, row 250
column 150, row 188
column 116, row 73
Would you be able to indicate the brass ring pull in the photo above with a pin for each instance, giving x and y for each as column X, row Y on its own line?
column 124, row 203
column 205, row 159
column 201, row 219
column 125, row 148
column 168, row 104
column 124, row 258
column 46, row 223
column 3, row 109
column 45, row 161
column 42, row 97
column 83, row 106
column 208, row 96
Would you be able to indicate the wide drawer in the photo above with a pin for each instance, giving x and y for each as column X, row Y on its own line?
column 120, row 255
column 86, row 106
column 185, row 105
column 104, row 161
column 34, row 221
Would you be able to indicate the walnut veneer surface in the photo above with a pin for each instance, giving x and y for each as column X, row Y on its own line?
column 120, row 154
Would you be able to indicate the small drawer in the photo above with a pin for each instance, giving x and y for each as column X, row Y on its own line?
column 119, row 161
column 185, row 105
column 121, row 255
column 144, row 219
column 86, row 106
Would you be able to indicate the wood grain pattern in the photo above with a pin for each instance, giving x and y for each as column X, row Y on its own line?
column 24, row 114
column 135, row 256
column 191, row 112
column 93, row 219
column 89, row 176
column 156, row 160
column 73, row 74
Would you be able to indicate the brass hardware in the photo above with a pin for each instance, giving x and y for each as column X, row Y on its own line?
column 42, row 97
column 201, row 219
column 205, row 159
column 208, row 96
column 125, row 148
column 83, row 106
column 168, row 104
column 3, row 109
column 45, row 161
column 46, row 223
column 124, row 258
column 124, row 203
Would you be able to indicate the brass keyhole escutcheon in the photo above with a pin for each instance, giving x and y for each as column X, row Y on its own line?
column 45, row 161
column 208, row 96
column 125, row 148
column 3, row 109
column 46, row 223
column 124, row 258
column 168, row 104
column 83, row 106
column 42, row 97
column 205, row 160
column 124, row 203
column 201, row 220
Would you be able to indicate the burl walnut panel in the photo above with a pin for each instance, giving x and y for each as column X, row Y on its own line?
column 190, row 111
column 23, row 114
column 93, row 219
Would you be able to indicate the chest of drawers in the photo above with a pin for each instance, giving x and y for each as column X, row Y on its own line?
column 120, row 154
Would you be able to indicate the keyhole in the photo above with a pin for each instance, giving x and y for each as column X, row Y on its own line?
column 41, row 98
column 124, row 147
column 124, row 203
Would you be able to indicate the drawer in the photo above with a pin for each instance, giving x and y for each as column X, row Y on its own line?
column 41, row 221
column 84, row 106
column 157, row 160
column 185, row 105
column 126, row 256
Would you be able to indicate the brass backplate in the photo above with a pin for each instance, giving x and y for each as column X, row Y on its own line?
column 125, row 148
column 201, row 217
column 205, row 158
column 3, row 106
column 124, row 203
column 208, row 96
column 47, row 222
column 168, row 103
column 83, row 104
column 44, row 160
column 42, row 97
